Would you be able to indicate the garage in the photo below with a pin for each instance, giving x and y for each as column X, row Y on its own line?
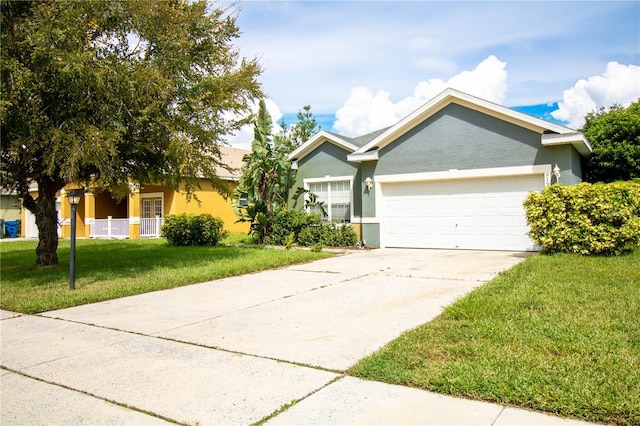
column 479, row 213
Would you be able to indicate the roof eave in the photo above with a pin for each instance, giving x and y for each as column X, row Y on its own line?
column 359, row 157
column 317, row 140
column 577, row 139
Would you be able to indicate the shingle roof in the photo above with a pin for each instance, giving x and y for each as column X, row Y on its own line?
column 232, row 157
column 360, row 141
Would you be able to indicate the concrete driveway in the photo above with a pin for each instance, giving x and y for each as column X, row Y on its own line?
column 234, row 351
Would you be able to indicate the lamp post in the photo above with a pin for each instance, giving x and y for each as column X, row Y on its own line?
column 74, row 198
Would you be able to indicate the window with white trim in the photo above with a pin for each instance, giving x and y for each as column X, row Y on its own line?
column 336, row 196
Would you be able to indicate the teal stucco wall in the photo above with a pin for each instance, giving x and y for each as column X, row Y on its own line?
column 456, row 137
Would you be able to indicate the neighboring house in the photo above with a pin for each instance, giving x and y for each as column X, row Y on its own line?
column 453, row 174
column 9, row 206
column 141, row 214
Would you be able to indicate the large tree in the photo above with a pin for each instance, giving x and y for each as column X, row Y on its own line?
column 107, row 93
column 615, row 136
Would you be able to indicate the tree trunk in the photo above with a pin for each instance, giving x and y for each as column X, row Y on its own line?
column 47, row 222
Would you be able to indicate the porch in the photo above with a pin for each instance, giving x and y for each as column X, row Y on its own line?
column 120, row 227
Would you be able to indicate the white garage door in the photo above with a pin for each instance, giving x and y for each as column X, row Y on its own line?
column 485, row 214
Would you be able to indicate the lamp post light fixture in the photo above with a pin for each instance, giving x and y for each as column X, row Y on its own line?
column 73, row 196
column 556, row 173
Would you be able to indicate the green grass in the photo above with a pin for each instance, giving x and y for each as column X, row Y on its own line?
column 109, row 269
column 556, row 333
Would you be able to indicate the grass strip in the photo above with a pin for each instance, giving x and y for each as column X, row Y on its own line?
column 557, row 333
column 109, row 269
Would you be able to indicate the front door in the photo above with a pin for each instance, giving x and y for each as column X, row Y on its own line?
column 152, row 213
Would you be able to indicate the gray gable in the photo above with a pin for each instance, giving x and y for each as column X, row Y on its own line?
column 361, row 141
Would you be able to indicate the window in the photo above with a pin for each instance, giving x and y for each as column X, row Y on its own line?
column 336, row 196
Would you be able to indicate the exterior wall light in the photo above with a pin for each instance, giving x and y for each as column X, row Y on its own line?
column 556, row 173
column 369, row 183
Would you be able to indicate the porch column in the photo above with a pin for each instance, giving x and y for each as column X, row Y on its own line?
column 65, row 215
column 133, row 212
column 89, row 212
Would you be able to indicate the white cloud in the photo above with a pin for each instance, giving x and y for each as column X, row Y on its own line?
column 364, row 112
column 618, row 84
column 243, row 138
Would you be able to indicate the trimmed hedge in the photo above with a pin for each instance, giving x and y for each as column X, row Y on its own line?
column 188, row 229
column 297, row 227
column 601, row 218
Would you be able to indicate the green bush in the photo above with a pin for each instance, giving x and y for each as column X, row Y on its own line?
column 311, row 235
column 328, row 234
column 287, row 222
column 297, row 227
column 339, row 235
column 586, row 218
column 188, row 229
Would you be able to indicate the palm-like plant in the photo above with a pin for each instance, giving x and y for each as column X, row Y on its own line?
column 267, row 177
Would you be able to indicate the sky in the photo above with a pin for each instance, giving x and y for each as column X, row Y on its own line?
column 364, row 65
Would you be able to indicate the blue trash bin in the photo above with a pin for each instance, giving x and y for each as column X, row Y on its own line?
column 11, row 228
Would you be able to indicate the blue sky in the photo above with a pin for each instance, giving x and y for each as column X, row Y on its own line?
column 363, row 65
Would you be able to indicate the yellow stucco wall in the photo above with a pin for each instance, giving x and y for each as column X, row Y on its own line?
column 101, row 205
column 106, row 206
column 210, row 202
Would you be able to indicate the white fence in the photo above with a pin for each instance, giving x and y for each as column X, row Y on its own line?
column 150, row 227
column 110, row 228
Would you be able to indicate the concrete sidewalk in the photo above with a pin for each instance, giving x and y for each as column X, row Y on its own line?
column 237, row 350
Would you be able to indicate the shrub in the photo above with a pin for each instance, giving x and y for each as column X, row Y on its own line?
column 188, row 229
column 287, row 222
column 311, row 235
column 292, row 227
column 328, row 234
column 339, row 235
column 585, row 218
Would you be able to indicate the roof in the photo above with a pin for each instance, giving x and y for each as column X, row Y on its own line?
column 366, row 147
column 232, row 157
column 551, row 133
column 344, row 142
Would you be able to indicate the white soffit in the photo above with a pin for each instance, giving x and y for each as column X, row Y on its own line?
column 317, row 140
column 577, row 139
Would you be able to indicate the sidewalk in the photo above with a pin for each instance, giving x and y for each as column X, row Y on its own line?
column 271, row 345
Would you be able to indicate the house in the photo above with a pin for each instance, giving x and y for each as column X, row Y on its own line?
column 453, row 174
column 141, row 214
column 9, row 209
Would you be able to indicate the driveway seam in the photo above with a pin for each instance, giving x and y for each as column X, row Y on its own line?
column 293, row 402
column 120, row 404
column 169, row 339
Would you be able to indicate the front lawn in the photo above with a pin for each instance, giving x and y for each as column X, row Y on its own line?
column 109, row 269
column 556, row 333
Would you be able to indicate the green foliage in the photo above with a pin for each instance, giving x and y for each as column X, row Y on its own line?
column 109, row 269
column 311, row 202
column 291, row 137
column 290, row 222
column 306, row 229
column 615, row 137
column 104, row 93
column 586, row 218
column 555, row 333
column 188, row 229
column 328, row 234
column 266, row 179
